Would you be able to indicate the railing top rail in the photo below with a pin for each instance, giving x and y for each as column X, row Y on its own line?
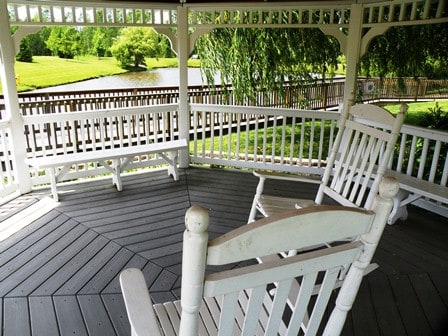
column 288, row 112
column 100, row 113
column 5, row 124
column 425, row 132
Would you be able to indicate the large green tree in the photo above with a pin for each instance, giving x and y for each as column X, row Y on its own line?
column 98, row 40
column 134, row 44
column 408, row 51
column 64, row 42
column 253, row 60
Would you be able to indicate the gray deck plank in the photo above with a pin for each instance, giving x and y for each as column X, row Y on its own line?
column 363, row 313
column 32, row 261
column 114, row 286
column 97, row 210
column 95, row 315
column 435, row 310
column 74, row 265
column 72, row 247
column 43, row 316
column 150, row 221
column 387, row 315
column 107, row 272
column 440, row 281
column 409, row 306
column 88, row 270
column 69, row 317
column 117, row 312
column 16, row 316
column 24, row 239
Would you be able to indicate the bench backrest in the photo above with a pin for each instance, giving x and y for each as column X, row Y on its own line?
column 78, row 132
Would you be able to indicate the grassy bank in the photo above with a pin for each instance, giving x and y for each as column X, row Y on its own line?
column 417, row 111
column 48, row 71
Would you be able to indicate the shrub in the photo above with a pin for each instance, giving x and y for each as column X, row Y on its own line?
column 436, row 118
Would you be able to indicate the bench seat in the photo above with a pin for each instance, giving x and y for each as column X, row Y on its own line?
column 411, row 189
column 120, row 158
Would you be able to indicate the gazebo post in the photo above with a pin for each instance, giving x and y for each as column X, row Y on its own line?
column 8, row 78
column 183, row 50
column 353, row 51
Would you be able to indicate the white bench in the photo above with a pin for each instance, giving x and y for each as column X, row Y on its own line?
column 411, row 190
column 120, row 158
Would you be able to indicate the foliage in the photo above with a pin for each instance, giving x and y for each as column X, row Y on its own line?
column 25, row 53
column 37, row 42
column 408, row 51
column 436, row 118
column 254, row 60
column 64, row 42
column 133, row 45
column 97, row 41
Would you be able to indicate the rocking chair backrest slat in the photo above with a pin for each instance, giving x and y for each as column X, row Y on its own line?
column 282, row 274
column 359, row 161
column 322, row 224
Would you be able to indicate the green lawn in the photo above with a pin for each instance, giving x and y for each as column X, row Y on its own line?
column 47, row 71
column 417, row 111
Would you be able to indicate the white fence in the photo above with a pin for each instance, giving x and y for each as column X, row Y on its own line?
column 8, row 183
column 233, row 136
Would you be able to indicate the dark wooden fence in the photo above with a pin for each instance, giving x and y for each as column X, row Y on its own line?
column 316, row 96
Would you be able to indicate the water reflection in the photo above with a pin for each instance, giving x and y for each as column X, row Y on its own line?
column 156, row 77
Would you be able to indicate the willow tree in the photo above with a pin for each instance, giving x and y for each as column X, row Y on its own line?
column 408, row 51
column 253, row 60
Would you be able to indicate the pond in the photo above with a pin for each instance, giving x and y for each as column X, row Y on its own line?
column 155, row 77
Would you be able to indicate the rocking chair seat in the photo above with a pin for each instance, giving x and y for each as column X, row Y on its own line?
column 271, row 205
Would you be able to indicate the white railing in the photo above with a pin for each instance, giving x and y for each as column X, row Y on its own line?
column 233, row 136
column 237, row 136
column 423, row 153
column 78, row 132
column 8, row 183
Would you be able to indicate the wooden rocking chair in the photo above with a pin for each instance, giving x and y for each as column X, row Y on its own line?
column 238, row 302
column 359, row 157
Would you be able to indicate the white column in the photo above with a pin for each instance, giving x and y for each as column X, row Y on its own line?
column 8, row 78
column 183, row 50
column 353, row 50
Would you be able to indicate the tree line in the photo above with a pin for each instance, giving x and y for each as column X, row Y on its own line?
column 253, row 59
column 129, row 46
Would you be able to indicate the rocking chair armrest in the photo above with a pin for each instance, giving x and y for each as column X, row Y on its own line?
column 288, row 177
column 138, row 303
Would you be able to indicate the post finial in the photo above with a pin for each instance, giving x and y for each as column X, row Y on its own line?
column 404, row 108
column 196, row 219
column 388, row 187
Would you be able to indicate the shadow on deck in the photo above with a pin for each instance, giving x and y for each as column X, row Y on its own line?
column 59, row 274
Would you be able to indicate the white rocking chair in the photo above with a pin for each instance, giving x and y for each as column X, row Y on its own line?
column 238, row 302
column 359, row 157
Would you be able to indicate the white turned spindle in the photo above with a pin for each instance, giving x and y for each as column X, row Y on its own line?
column 193, row 268
column 382, row 207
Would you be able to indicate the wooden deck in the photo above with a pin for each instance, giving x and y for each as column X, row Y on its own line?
column 59, row 274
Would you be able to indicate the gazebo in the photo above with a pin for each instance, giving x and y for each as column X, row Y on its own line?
column 60, row 260
column 353, row 23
